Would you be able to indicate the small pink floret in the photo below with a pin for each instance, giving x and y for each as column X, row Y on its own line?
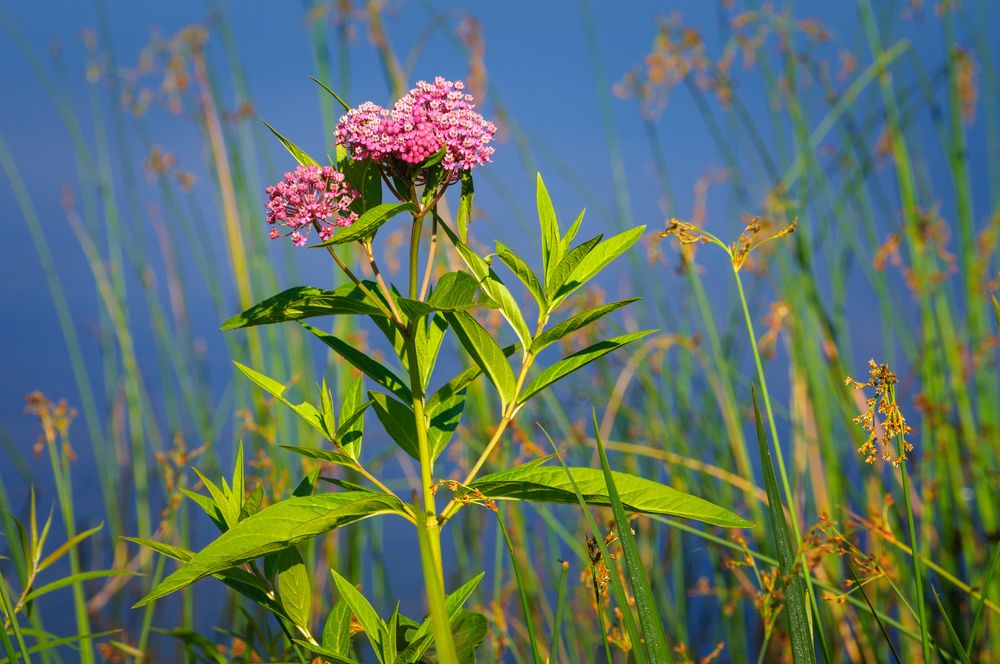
column 310, row 197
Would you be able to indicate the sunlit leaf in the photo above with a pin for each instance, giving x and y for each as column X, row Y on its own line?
column 571, row 363
column 548, row 484
column 485, row 352
column 274, row 528
column 299, row 154
column 574, row 323
column 367, row 224
column 304, row 302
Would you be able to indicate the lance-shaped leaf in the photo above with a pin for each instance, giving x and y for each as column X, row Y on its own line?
column 294, row 587
column 548, row 484
column 574, row 323
column 547, row 220
column 274, row 528
column 443, row 420
column 323, row 455
column 485, row 352
column 492, row 286
column 594, row 261
column 464, row 215
column 522, row 272
column 364, row 362
column 363, row 176
column 305, row 302
column 454, row 291
column 333, row 94
column 428, row 338
column 351, row 428
column 555, row 277
column 337, row 630
column 397, row 420
column 373, row 626
column 308, row 412
column 419, row 640
column 367, row 224
column 299, row 154
column 571, row 363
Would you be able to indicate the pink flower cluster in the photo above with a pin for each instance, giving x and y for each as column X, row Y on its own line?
column 312, row 196
column 427, row 118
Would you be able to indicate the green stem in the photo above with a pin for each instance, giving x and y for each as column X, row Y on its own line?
column 918, row 583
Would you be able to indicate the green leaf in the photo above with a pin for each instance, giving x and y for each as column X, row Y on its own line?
column 305, row 410
column 485, row 352
column 454, row 291
column 956, row 641
column 443, row 419
column 595, row 261
column 428, row 340
column 350, row 431
column 363, row 176
column 299, row 154
column 398, row 421
column 65, row 547
column 274, row 528
column 305, row 302
column 333, row 94
column 551, row 254
column 567, row 240
column 571, row 363
column 645, row 601
column 548, row 484
column 208, row 507
column 373, row 626
column 323, row 455
column 221, row 498
column 169, row 550
column 51, row 644
column 364, row 362
column 75, row 579
column 464, row 216
column 367, row 224
column 996, row 309
column 574, row 323
column 294, row 587
column 453, row 604
column 337, row 630
column 558, row 275
column 796, row 613
column 492, row 286
column 522, row 272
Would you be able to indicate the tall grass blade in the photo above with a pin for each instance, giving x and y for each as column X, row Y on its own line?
column 617, row 589
column 560, row 610
column 987, row 584
column 803, row 651
column 871, row 607
column 645, row 601
column 521, row 590
column 952, row 634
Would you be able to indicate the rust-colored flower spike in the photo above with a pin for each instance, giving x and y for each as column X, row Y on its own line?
column 892, row 425
column 749, row 240
column 687, row 234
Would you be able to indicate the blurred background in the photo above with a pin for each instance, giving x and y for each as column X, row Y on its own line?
column 134, row 163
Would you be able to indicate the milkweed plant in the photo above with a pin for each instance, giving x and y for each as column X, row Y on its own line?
column 395, row 166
